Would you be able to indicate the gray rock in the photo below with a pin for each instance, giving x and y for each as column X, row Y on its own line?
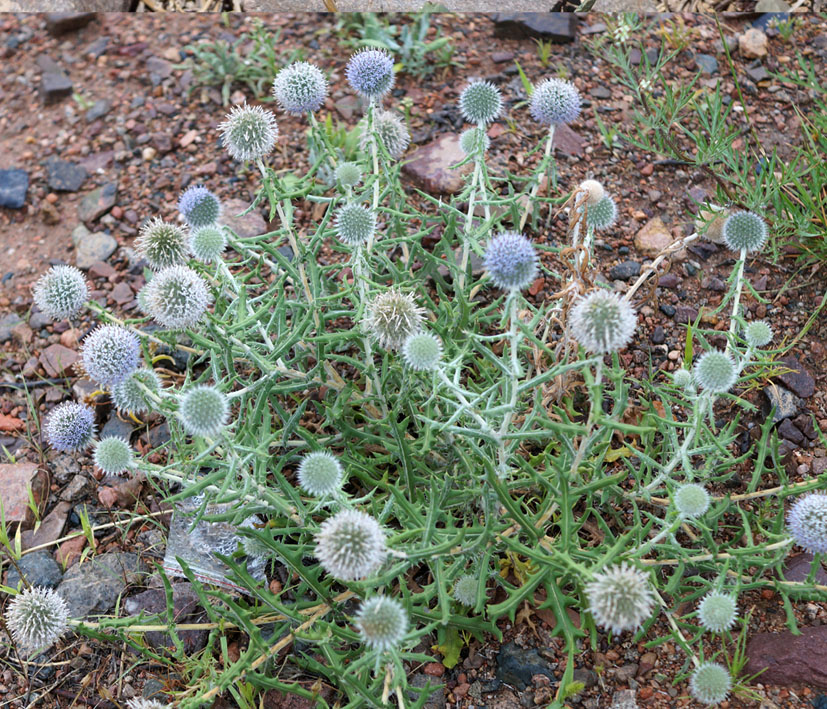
column 799, row 379
column 186, row 609
column 516, row 666
column 54, row 87
column 788, row 430
column 556, row 26
column 782, row 399
column 116, row 427
column 14, row 184
column 706, row 63
column 58, row 23
column 65, row 176
column 7, row 323
column 624, row 699
column 99, row 109
column 91, row 247
column 38, row 568
column 93, row 587
column 251, row 224
column 757, row 73
column 625, row 271
column 98, row 202
column 436, row 700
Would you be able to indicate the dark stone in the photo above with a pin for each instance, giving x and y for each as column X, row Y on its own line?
column 98, row 47
column 97, row 203
column 186, row 609
column 788, row 431
column 790, row 659
column 763, row 21
column 625, row 271
column 758, row 73
column 38, row 568
column 706, row 63
column 587, row 677
column 567, row 142
column 54, row 86
column 94, row 586
column 600, row 92
column 116, row 427
column 799, row 379
column 667, row 310
column 658, row 336
column 516, row 666
column 669, row 280
column 64, row 176
column 58, row 23
column 556, row 26
column 685, row 314
column 502, row 57
column 98, row 110
column 162, row 142
column 14, row 184
column 798, row 569
column 714, row 283
column 782, row 399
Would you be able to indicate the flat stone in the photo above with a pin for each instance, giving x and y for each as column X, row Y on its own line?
column 16, row 479
column 624, row 699
column 753, row 44
column 653, row 237
column 790, row 659
column 51, row 527
column 38, row 568
column 669, row 280
column 99, row 109
column 685, row 314
column 625, row 271
column 765, row 20
column 502, row 57
column 799, row 379
column 706, row 63
column 782, row 399
column 186, row 609
column 92, row 248
column 122, row 293
column 516, row 666
column 14, row 184
column 58, row 23
column 788, row 431
column 600, row 92
column 54, row 87
column 249, row 225
column 93, row 587
column 58, row 360
column 556, row 26
column 65, row 176
column 798, row 569
column 757, row 73
column 116, row 427
column 430, row 166
column 567, row 142
column 98, row 202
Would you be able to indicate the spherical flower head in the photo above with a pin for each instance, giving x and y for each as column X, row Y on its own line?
column 391, row 132
column 594, row 192
column 129, row 397
column 199, row 207
column 555, row 101
column 204, row 410
column 382, row 623
column 717, row 611
column 141, row 703
column 355, row 224
column 715, row 371
column 422, row 351
column 710, row 683
column 602, row 215
column 758, row 333
column 320, row 474
column 603, row 321
column 177, row 297
column 162, row 244
column 37, row 617
column 691, row 500
column 348, row 174
column 350, row 545
column 480, row 102
column 473, row 139
column 249, row 132
column 370, row 72
column 70, row 426
column 465, row 590
column 207, row 243
column 745, row 231
column 807, row 522
column 299, row 88
column 113, row 455
column 61, row 292
column 392, row 317
column 512, row 260
column 682, row 378
column 620, row 598
column 110, row 353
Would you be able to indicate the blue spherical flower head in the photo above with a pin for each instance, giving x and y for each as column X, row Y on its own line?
column 300, row 87
column 555, row 101
column 199, row 207
column 807, row 522
column 110, row 353
column 512, row 261
column 370, row 72
column 70, row 426
column 480, row 102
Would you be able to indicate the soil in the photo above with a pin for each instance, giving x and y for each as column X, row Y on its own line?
column 159, row 135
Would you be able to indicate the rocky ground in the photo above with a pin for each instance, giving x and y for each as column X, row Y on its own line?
column 101, row 128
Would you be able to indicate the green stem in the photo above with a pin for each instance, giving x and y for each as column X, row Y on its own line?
column 547, row 157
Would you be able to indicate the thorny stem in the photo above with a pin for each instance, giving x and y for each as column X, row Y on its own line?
column 469, row 222
column 736, row 298
column 374, row 154
column 515, row 372
column 542, row 171
column 360, row 276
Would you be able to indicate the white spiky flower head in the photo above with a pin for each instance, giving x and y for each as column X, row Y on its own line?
column 594, row 192
column 162, row 244
column 141, row 703
column 391, row 131
column 512, row 261
column 555, row 101
column 114, row 456
column 199, row 206
column 355, row 224
column 61, row 292
column 129, row 397
column 204, row 410
column 745, row 231
column 249, row 132
column 350, row 545
column 300, row 87
column 603, row 214
column 465, row 590
column 602, row 321
column 807, row 522
column 70, row 426
column 480, row 102
column 392, row 317
column 36, row 618
column 717, row 611
column 370, row 73
column 320, row 474
column 382, row 622
column 422, row 351
column 207, row 243
column 176, row 297
column 620, row 598
column 710, row 683
column 348, row 174
column 691, row 500
column 715, row 371
column 758, row 333
column 471, row 140
column 682, row 378
column 110, row 353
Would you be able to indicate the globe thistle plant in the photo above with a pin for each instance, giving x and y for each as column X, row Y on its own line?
column 603, row 322
column 249, row 132
column 207, row 243
column 758, row 333
column 110, row 353
column 594, row 192
column 392, row 317
column 601, row 215
column 717, row 611
column 70, row 426
column 807, row 522
column 620, row 598
column 199, row 207
column 129, row 396
column 472, row 140
column 204, row 410
column 512, row 261
column 745, row 231
column 391, row 131
column 113, row 455
column 710, row 683
column 61, row 292
column 350, row 545
column 555, row 101
column 370, row 73
column 177, row 297
column 162, row 244
column 320, row 474
column 682, row 378
column 422, row 351
column 348, row 174
column 465, row 590
column 382, row 622
column 141, row 703
column 480, row 102
column 300, row 87
column 355, row 224
column 691, row 500
column 36, row 618
column 715, row 371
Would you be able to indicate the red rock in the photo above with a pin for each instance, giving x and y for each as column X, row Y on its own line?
column 58, row 360
column 434, row 669
column 122, row 293
column 567, row 142
column 15, row 481
column 431, row 166
column 10, row 423
column 69, row 551
column 122, row 494
column 51, row 527
column 537, row 285
column 101, row 269
column 647, row 169
column 790, row 659
column 249, row 225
